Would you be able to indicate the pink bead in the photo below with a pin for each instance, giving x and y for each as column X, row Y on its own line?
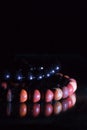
column 70, row 89
column 65, row 105
column 57, row 108
column 36, row 96
column 65, row 92
column 70, row 103
column 74, row 84
column 9, row 95
column 73, row 98
column 36, row 110
column 58, row 94
column 49, row 95
column 48, row 109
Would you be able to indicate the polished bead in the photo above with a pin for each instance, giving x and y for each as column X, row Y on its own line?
column 48, row 109
column 4, row 85
column 58, row 94
column 23, row 96
column 36, row 96
column 70, row 103
column 65, row 92
column 49, row 95
column 70, row 88
column 9, row 95
column 73, row 98
column 36, row 110
column 57, row 108
column 74, row 84
column 65, row 105
column 23, row 110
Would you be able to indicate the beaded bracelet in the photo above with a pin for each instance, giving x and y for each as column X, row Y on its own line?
column 37, row 109
column 44, row 94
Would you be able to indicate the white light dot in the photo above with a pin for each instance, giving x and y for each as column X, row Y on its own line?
column 41, row 68
column 57, row 68
column 48, row 75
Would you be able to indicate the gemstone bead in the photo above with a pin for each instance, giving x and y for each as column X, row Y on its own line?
column 58, row 94
column 65, row 92
column 36, row 110
column 4, row 85
column 65, row 105
column 23, row 96
column 57, row 108
column 49, row 95
column 70, row 88
column 9, row 95
column 74, row 84
column 23, row 110
column 36, row 96
column 48, row 109
column 73, row 98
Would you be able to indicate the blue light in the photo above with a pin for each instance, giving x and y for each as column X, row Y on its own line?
column 7, row 76
column 40, row 77
column 41, row 68
column 57, row 68
column 48, row 75
column 31, row 77
column 53, row 71
column 19, row 77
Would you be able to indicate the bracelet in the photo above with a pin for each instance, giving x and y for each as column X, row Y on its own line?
column 37, row 109
column 44, row 94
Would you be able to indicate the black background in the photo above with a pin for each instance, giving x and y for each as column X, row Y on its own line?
column 45, row 28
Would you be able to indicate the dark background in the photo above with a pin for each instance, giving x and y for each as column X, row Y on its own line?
column 46, row 28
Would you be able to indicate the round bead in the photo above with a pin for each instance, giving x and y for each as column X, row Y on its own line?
column 65, row 105
column 58, row 94
column 70, row 88
column 36, row 96
column 48, row 109
column 23, row 110
column 70, row 103
column 73, row 98
column 74, row 84
column 4, row 85
column 57, row 108
column 23, row 96
column 9, row 95
column 65, row 92
column 36, row 110
column 49, row 95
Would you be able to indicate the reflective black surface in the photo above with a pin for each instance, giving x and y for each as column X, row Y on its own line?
column 76, row 117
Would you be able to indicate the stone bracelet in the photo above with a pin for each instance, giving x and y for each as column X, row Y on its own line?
column 47, row 94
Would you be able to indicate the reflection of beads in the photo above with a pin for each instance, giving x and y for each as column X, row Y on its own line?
column 46, row 109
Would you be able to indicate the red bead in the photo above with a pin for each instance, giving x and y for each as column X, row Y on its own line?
column 23, row 110
column 4, row 85
column 36, row 110
column 49, row 96
column 70, row 88
column 48, row 109
column 36, row 96
column 65, row 92
column 23, row 96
